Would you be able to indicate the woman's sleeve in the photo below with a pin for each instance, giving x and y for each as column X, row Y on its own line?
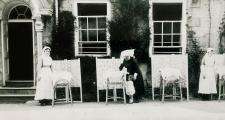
column 121, row 65
column 136, row 68
column 51, row 66
column 202, row 67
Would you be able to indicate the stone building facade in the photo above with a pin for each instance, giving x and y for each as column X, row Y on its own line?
column 203, row 16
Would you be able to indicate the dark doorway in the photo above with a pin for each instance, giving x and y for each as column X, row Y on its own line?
column 20, row 45
column 88, row 76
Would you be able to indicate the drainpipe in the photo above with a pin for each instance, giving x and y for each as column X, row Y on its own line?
column 210, row 22
column 56, row 11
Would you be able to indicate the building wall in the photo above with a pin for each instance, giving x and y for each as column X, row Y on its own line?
column 47, row 30
column 199, row 20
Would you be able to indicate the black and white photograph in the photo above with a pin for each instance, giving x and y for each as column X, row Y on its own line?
column 112, row 59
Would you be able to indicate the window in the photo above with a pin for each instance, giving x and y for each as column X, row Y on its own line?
column 92, row 28
column 20, row 12
column 195, row 3
column 167, row 20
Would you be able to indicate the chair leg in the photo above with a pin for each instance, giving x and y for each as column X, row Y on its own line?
column 53, row 99
column 114, row 94
column 71, row 96
column 222, row 89
column 97, row 95
column 174, row 92
column 124, row 95
column 153, row 93
column 55, row 93
column 219, row 90
column 187, row 90
column 181, row 93
column 106, row 95
column 81, row 95
column 66, row 93
column 163, row 91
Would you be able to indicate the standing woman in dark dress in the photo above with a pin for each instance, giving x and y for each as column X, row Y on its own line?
column 134, row 73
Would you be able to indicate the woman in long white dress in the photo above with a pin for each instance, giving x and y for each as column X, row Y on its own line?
column 207, row 81
column 44, row 88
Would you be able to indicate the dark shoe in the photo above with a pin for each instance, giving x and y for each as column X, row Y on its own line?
column 42, row 103
column 49, row 102
column 136, row 101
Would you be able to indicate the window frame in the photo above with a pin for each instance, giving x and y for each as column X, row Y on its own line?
column 28, row 9
column 183, row 39
column 88, row 28
column 77, row 29
column 171, row 33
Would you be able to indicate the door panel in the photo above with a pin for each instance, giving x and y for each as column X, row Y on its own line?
column 20, row 43
column 88, row 77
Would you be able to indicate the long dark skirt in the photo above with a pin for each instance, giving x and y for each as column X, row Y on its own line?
column 139, row 88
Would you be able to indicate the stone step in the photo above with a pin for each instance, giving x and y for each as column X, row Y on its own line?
column 21, row 83
column 24, row 94
column 17, row 90
column 16, row 94
column 15, row 98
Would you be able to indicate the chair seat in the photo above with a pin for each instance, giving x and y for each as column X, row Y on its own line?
column 115, row 83
column 113, row 97
column 62, row 84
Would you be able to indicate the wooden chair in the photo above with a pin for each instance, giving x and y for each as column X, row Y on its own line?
column 174, row 95
column 114, row 84
column 221, row 85
column 63, row 80
column 174, row 78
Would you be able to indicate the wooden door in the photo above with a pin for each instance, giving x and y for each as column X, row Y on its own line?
column 20, row 43
column 88, row 77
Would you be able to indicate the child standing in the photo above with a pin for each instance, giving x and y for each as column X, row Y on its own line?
column 134, row 84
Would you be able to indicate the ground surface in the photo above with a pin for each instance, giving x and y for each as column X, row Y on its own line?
column 148, row 110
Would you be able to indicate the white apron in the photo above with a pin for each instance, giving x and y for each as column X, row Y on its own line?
column 207, row 80
column 44, row 88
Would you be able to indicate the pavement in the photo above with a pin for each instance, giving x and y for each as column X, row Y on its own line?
column 146, row 110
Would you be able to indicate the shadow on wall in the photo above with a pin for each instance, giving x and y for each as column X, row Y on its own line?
column 145, row 69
